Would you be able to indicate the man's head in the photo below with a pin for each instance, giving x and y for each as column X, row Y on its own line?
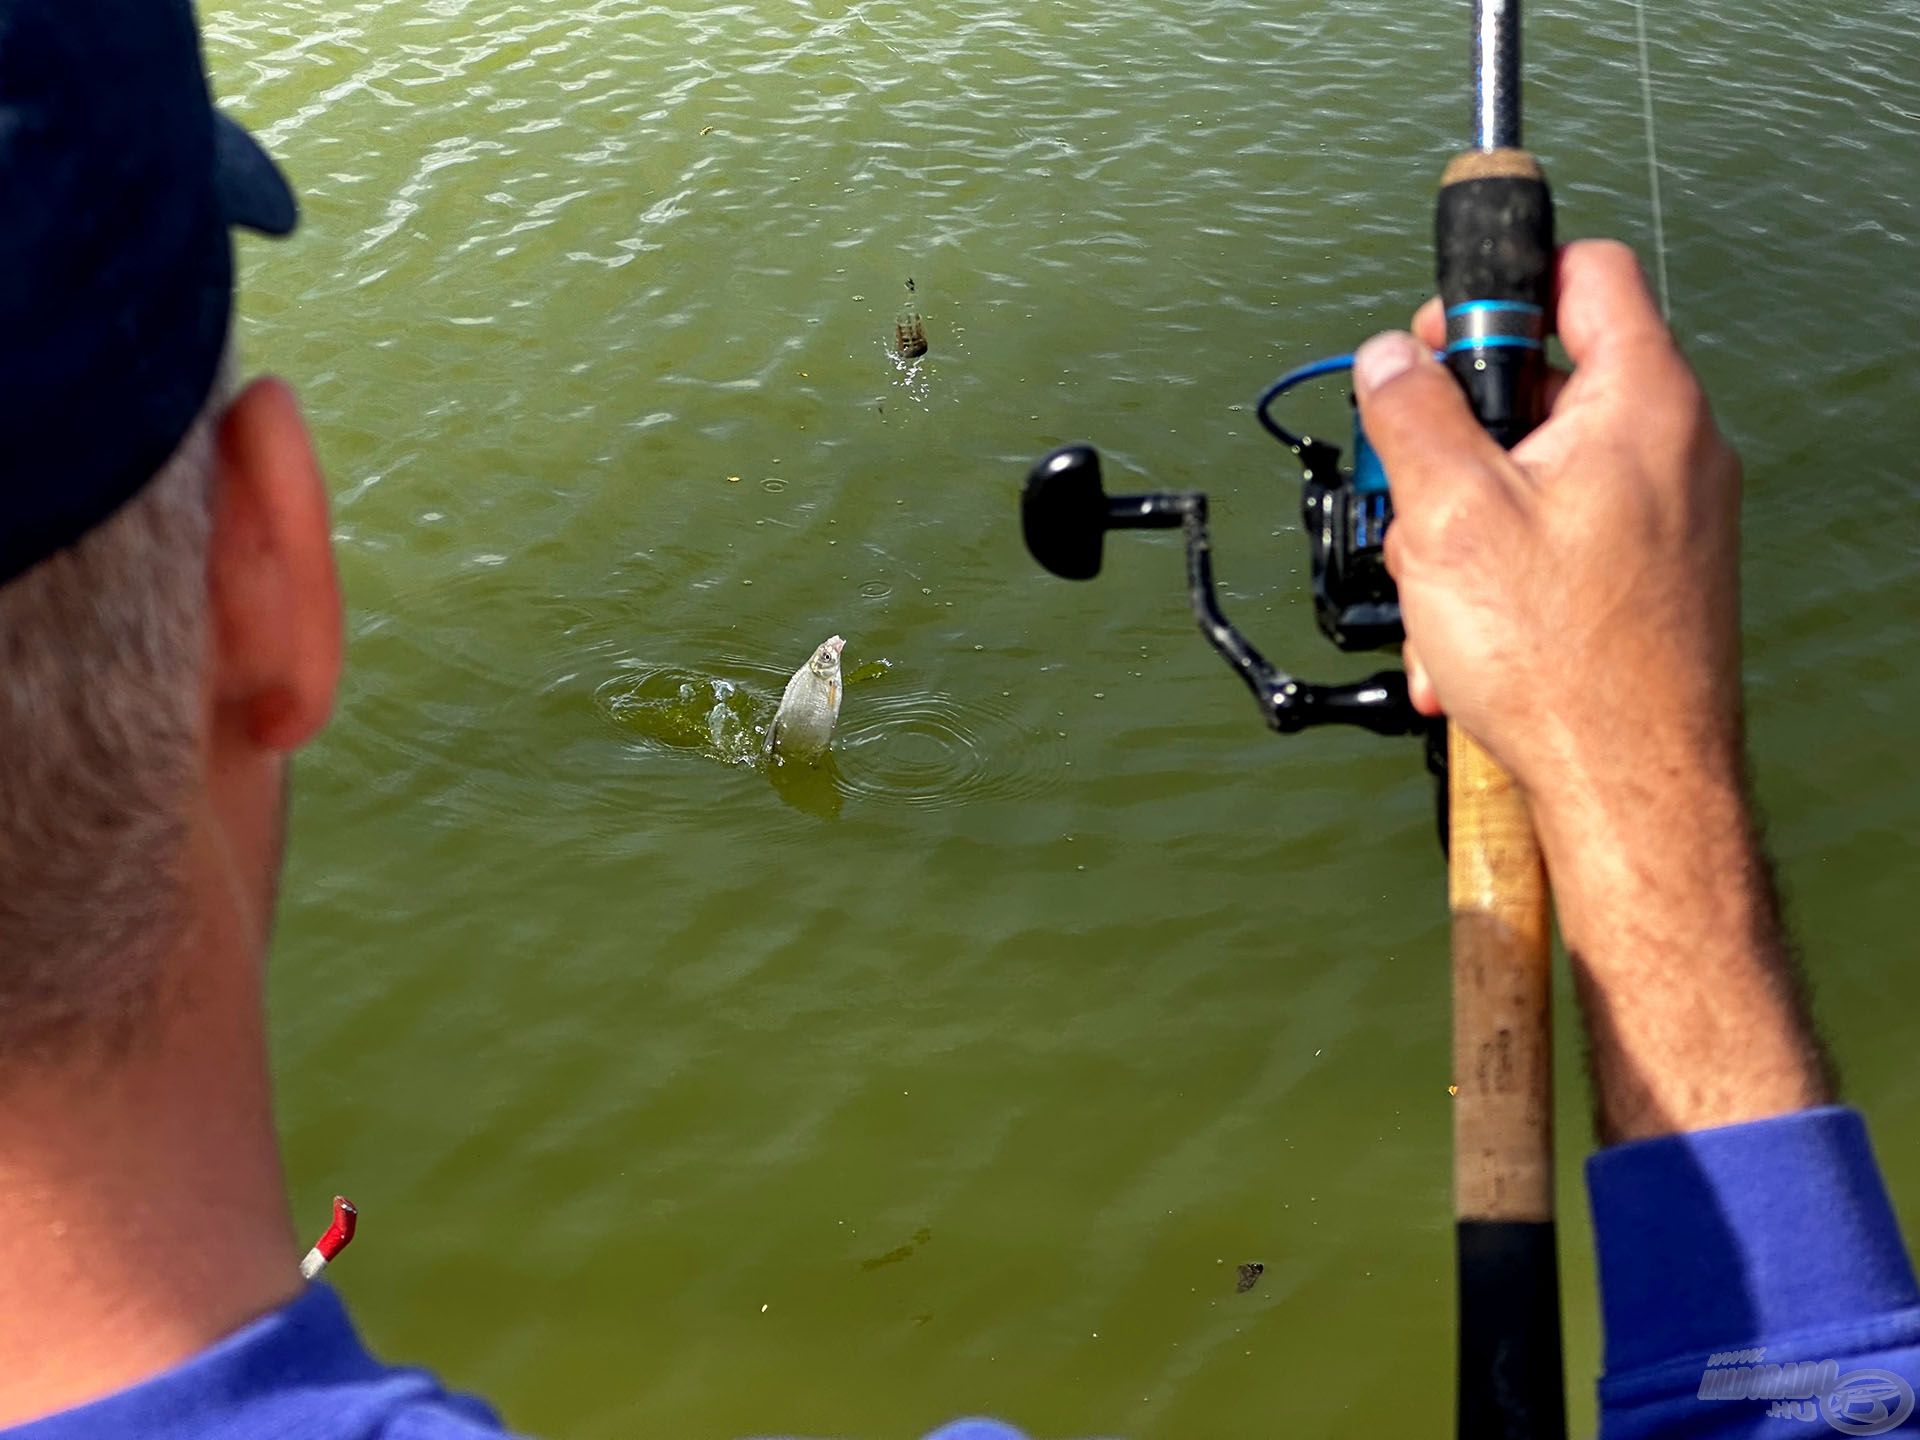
column 168, row 618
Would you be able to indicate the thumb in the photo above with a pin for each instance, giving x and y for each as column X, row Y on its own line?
column 1417, row 419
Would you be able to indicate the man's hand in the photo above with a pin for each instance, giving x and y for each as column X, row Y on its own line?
column 1574, row 605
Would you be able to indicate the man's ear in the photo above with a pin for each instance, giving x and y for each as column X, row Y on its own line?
column 275, row 595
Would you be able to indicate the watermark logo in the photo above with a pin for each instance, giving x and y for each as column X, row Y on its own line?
column 1867, row 1402
column 1859, row 1402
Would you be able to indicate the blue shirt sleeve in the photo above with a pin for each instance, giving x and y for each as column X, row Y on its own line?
column 1750, row 1276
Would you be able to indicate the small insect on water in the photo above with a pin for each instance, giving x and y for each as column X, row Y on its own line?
column 1250, row 1274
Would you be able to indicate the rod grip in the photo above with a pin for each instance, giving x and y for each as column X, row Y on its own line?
column 1493, row 236
column 1502, row 995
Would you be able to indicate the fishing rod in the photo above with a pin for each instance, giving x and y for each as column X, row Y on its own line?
column 1494, row 247
column 1493, row 233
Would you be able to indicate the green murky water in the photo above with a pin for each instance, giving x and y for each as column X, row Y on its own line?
column 962, row 1079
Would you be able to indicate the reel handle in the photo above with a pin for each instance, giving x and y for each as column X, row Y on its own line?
column 1065, row 514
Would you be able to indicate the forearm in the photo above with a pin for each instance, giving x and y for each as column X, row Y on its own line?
column 1751, row 1265
column 1691, row 1000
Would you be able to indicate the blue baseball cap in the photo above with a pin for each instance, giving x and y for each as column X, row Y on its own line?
column 119, row 183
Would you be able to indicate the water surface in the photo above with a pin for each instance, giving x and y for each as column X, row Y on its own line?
column 680, row 1104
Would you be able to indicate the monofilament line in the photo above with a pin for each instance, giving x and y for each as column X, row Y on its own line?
column 1653, row 162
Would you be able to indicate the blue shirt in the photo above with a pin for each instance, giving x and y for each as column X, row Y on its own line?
column 1751, row 1277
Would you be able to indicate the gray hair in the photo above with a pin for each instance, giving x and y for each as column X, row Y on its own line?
column 101, row 650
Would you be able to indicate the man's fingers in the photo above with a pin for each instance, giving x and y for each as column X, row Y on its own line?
column 1430, row 324
column 1556, row 382
column 1418, row 420
column 1419, row 684
column 1605, row 307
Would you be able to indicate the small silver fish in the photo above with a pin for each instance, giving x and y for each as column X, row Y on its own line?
column 802, row 728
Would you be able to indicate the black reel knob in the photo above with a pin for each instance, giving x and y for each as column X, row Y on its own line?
column 1065, row 512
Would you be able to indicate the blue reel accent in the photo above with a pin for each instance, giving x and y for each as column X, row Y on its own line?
column 1495, row 325
column 1499, row 307
column 1332, row 366
column 1492, row 342
column 1369, row 476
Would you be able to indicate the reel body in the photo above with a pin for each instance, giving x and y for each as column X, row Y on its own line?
column 1345, row 514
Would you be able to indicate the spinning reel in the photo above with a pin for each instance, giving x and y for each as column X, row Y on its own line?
column 1066, row 512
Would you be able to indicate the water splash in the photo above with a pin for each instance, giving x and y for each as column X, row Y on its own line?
column 913, row 375
column 665, row 710
column 670, row 711
column 923, row 749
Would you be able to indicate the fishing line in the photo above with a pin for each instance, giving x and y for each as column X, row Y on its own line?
column 1653, row 161
column 909, row 335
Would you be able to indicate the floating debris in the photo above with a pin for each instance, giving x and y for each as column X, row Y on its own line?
column 1250, row 1274
column 901, row 1252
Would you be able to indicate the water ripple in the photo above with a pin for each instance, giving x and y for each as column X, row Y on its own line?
column 931, row 750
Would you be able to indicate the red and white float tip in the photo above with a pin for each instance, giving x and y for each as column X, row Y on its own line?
column 339, row 1235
